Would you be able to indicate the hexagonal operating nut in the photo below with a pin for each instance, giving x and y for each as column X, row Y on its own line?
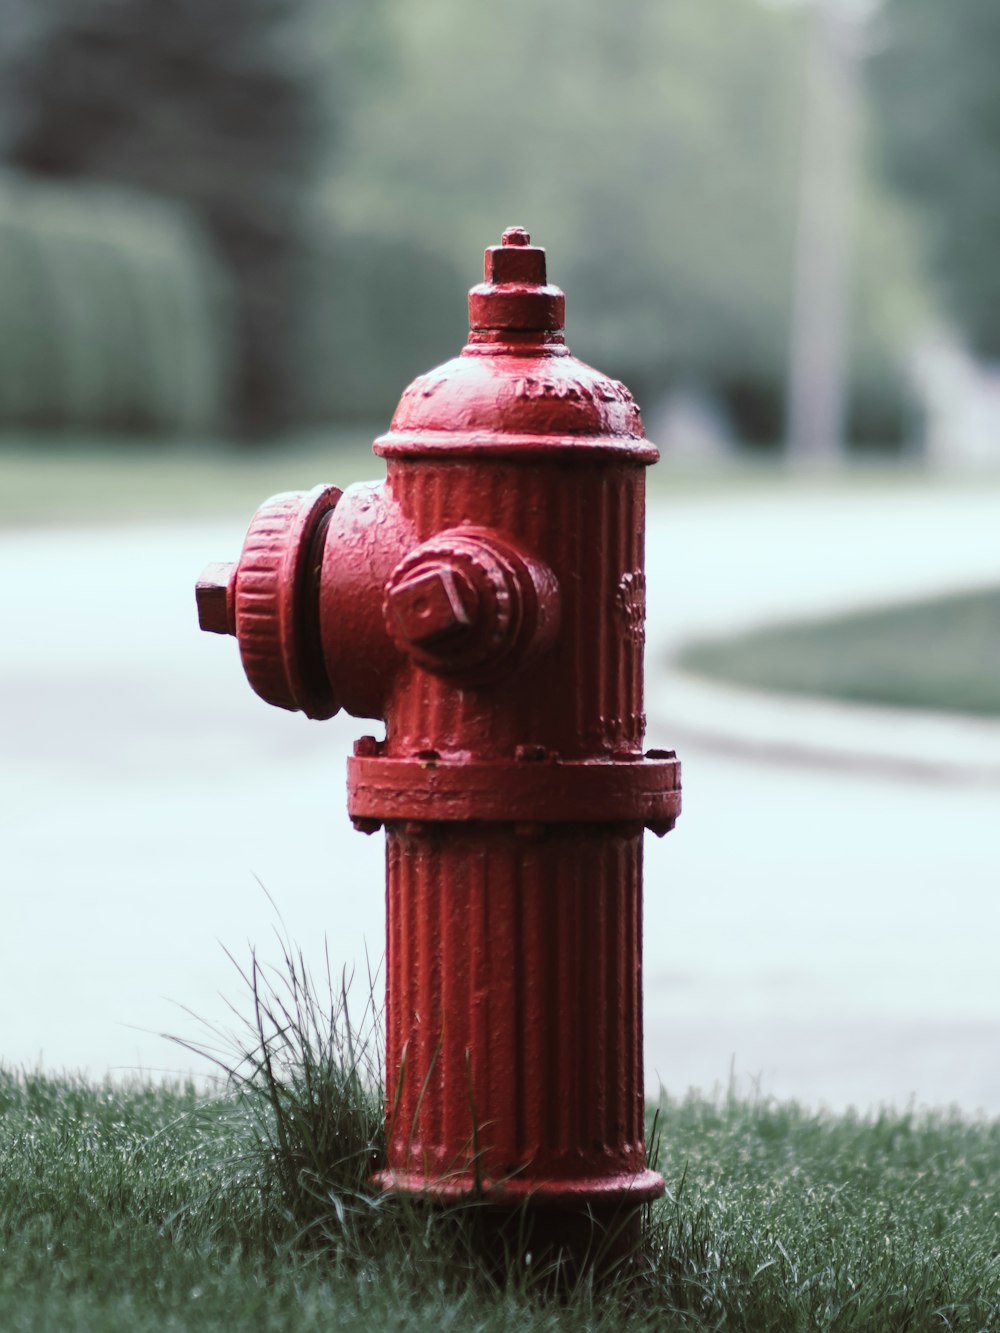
column 214, row 595
column 515, row 260
column 433, row 605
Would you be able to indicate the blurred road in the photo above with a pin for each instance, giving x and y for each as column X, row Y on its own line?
column 830, row 934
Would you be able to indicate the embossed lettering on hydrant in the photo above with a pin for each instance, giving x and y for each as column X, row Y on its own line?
column 603, row 391
column 630, row 600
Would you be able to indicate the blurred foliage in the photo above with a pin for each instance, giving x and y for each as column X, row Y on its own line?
column 114, row 312
column 350, row 162
column 217, row 105
column 381, row 310
column 937, row 88
column 654, row 149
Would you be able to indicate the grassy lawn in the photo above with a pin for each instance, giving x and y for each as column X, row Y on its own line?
column 941, row 654
column 83, row 480
column 141, row 1208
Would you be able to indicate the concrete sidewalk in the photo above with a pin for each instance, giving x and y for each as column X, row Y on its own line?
column 795, row 730
column 836, row 872
column 790, row 557
column 830, row 933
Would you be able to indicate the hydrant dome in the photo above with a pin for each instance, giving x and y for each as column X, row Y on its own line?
column 474, row 402
column 515, row 386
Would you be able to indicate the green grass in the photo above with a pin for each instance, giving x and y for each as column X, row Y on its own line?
column 155, row 1208
column 149, row 1208
column 93, row 479
column 942, row 654
column 78, row 479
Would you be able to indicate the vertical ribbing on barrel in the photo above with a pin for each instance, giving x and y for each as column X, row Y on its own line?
column 636, row 533
column 478, row 919
column 397, row 998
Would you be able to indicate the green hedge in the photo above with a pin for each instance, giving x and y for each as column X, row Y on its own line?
column 377, row 312
column 113, row 312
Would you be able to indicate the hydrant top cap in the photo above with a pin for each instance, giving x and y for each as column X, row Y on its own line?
column 515, row 260
column 515, row 388
column 514, row 294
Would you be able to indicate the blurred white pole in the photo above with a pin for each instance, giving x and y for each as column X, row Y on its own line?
column 817, row 371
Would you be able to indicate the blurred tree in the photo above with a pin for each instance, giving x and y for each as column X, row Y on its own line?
column 115, row 314
column 381, row 310
column 211, row 102
column 936, row 80
column 653, row 148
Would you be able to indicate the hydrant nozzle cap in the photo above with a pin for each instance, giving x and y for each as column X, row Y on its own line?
column 514, row 294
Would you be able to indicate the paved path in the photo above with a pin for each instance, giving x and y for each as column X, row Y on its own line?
column 830, row 933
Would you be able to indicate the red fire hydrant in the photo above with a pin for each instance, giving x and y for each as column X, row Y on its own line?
column 488, row 602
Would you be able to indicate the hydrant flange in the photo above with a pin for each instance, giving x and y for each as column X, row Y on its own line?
column 425, row 787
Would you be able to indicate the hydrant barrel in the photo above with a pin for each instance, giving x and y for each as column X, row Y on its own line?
column 488, row 603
